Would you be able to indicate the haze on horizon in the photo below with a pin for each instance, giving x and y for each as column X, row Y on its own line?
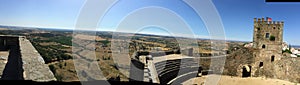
column 237, row 16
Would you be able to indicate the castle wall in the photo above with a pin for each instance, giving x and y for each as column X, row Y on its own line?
column 187, row 51
column 24, row 61
column 2, row 46
column 33, row 64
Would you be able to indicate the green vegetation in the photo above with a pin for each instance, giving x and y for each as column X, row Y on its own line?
column 272, row 38
column 105, row 42
column 62, row 40
column 286, row 51
column 58, row 77
column 45, row 37
column 52, row 53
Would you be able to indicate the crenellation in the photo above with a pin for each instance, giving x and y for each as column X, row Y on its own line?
column 259, row 20
column 262, row 21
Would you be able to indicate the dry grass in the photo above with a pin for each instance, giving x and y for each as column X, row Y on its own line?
column 108, row 67
column 3, row 29
column 88, row 37
column 65, row 71
column 48, row 43
column 228, row 80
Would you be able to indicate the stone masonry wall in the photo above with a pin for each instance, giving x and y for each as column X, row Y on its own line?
column 33, row 64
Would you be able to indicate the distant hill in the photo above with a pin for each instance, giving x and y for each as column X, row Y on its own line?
column 109, row 32
column 16, row 27
column 295, row 46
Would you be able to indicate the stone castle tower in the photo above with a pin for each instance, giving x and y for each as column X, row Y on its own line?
column 267, row 38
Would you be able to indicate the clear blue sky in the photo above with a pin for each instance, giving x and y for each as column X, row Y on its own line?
column 237, row 15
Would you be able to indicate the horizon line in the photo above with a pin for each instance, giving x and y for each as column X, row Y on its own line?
column 73, row 29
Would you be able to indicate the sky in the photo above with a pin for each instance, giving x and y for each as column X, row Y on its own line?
column 154, row 16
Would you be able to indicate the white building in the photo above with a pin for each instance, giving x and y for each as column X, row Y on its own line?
column 285, row 46
column 295, row 51
column 248, row 45
column 293, row 55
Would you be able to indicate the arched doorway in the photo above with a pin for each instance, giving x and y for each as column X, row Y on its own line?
column 200, row 71
column 246, row 71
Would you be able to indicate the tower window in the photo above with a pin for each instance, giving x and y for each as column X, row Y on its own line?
column 263, row 46
column 258, row 28
column 272, row 58
column 273, row 27
column 261, row 64
column 267, row 35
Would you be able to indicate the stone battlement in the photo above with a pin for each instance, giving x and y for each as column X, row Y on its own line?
column 263, row 21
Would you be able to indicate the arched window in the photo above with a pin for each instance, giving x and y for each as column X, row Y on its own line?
column 263, row 46
column 272, row 58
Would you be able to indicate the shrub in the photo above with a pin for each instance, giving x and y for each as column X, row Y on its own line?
column 272, row 38
column 58, row 77
column 60, row 65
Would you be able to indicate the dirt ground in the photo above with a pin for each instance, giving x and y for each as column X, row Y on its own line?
column 228, row 80
column 3, row 29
